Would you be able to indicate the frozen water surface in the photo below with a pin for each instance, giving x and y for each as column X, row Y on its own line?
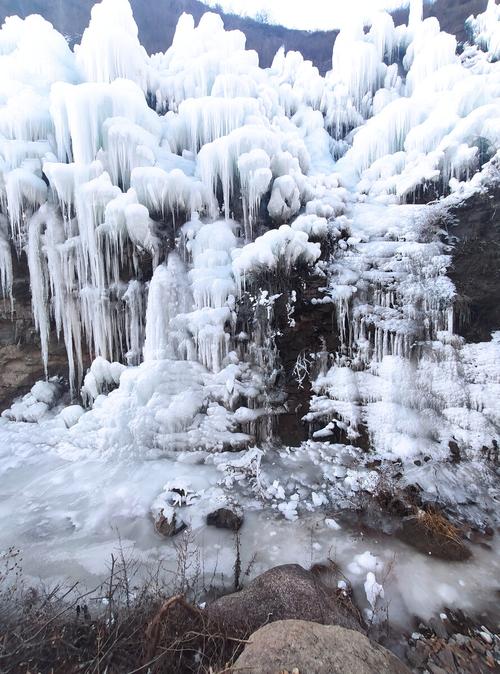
column 68, row 517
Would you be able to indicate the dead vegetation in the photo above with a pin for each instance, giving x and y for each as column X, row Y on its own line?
column 438, row 526
column 124, row 626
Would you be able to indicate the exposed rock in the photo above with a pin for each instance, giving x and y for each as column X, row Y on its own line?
column 454, row 451
column 169, row 526
column 454, row 650
column 225, row 519
column 314, row 649
column 20, row 357
column 432, row 534
column 284, row 593
column 438, row 627
column 435, row 669
column 419, row 655
column 475, row 269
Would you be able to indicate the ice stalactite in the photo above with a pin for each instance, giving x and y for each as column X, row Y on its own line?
column 6, row 273
column 485, row 30
column 203, row 120
column 39, row 282
column 110, row 47
column 80, row 111
column 255, row 178
column 169, row 295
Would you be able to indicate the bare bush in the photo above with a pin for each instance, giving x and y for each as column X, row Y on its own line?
column 126, row 625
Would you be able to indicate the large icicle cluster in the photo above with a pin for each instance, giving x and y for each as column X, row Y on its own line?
column 155, row 198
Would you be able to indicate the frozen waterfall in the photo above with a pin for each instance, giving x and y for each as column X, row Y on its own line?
column 176, row 210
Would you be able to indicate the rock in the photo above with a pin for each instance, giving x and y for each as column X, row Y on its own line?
column 475, row 270
column 418, row 656
column 438, row 627
column 311, row 648
column 225, row 519
column 446, row 659
column 21, row 362
column 455, row 454
column 432, row 534
column 478, row 646
column 283, row 593
column 490, row 661
column 168, row 527
column 435, row 669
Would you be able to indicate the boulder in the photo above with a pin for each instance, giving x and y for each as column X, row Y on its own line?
column 225, row 519
column 283, row 593
column 168, row 526
column 310, row 648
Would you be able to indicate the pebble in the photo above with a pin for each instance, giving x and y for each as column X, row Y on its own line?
column 477, row 646
column 485, row 636
column 432, row 651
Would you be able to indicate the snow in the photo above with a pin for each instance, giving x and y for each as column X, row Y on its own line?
column 284, row 247
column 374, row 591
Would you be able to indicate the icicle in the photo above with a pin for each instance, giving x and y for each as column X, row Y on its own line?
column 255, row 178
column 6, row 275
column 169, row 295
column 39, row 281
column 25, row 190
column 110, row 47
column 134, row 301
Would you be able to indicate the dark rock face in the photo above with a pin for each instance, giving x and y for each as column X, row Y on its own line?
column 225, row 519
column 284, row 593
column 452, row 15
column 309, row 648
column 313, row 330
column 20, row 357
column 475, row 269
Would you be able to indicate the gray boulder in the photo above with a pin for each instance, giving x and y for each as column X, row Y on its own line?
column 310, row 648
column 225, row 519
column 283, row 593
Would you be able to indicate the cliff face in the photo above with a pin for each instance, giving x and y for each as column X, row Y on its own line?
column 20, row 358
column 475, row 270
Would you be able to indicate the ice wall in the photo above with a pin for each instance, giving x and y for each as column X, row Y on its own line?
column 166, row 205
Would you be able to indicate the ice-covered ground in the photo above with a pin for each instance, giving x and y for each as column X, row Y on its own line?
column 166, row 206
column 67, row 517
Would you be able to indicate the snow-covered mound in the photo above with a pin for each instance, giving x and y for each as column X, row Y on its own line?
column 169, row 206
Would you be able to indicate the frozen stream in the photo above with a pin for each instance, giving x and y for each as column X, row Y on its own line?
column 67, row 516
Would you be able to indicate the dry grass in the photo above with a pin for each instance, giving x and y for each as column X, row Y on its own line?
column 123, row 626
column 438, row 526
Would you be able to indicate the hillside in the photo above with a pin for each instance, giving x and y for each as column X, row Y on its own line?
column 157, row 22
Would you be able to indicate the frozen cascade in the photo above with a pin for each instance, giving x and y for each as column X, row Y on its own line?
column 110, row 47
column 177, row 213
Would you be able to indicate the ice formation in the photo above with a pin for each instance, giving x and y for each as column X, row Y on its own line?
column 170, row 207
